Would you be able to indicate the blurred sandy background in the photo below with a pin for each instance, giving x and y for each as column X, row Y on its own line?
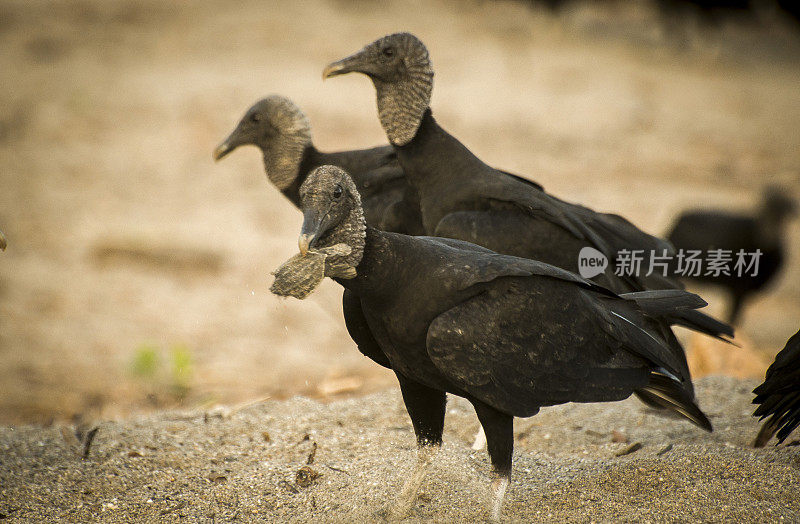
column 137, row 271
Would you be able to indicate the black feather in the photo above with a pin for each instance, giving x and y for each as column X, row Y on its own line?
column 779, row 396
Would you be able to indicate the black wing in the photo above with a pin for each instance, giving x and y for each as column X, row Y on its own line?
column 490, row 266
column 779, row 395
column 608, row 233
column 615, row 229
column 517, row 191
column 359, row 330
column 536, row 185
column 524, row 343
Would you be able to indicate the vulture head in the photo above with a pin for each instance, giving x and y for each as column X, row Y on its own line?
column 332, row 238
column 332, row 218
column 778, row 205
column 280, row 129
column 401, row 70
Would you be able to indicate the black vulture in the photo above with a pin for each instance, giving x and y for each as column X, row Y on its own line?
column 281, row 130
column 461, row 197
column 509, row 334
column 734, row 233
column 779, row 395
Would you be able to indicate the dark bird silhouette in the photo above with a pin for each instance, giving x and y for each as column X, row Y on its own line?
column 763, row 231
column 508, row 334
column 283, row 134
column 461, row 197
column 779, row 395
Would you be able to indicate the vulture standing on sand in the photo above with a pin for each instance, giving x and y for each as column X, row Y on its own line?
column 707, row 230
column 281, row 131
column 463, row 198
column 508, row 334
column 779, row 395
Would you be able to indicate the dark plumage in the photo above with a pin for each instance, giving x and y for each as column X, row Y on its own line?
column 281, row 130
column 706, row 230
column 508, row 334
column 779, row 395
column 463, row 198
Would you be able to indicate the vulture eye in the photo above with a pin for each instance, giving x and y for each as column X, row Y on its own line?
column 388, row 52
column 337, row 191
column 255, row 118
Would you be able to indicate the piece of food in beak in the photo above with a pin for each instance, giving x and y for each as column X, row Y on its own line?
column 300, row 275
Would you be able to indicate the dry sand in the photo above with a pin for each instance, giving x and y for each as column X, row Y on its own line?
column 129, row 249
column 123, row 235
column 241, row 464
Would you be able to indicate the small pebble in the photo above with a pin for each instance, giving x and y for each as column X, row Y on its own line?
column 306, row 476
column 630, row 449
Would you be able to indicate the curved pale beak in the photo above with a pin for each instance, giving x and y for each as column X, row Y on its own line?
column 353, row 63
column 336, row 68
column 223, row 149
column 311, row 229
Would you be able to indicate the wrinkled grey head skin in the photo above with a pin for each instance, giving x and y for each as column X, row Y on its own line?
column 332, row 215
column 280, row 129
column 401, row 70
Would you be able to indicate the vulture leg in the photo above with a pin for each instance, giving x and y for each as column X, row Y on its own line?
column 735, row 310
column 480, row 440
column 499, row 429
column 408, row 494
column 426, row 407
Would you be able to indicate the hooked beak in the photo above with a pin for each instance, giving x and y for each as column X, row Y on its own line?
column 352, row 64
column 223, row 149
column 234, row 140
column 311, row 230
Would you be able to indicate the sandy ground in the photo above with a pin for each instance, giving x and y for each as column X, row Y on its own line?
column 137, row 271
column 242, row 464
